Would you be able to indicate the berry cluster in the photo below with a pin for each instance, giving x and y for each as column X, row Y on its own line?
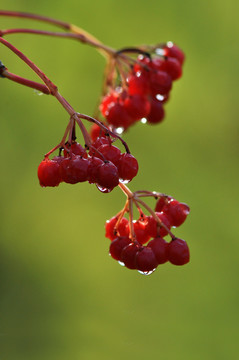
column 103, row 164
column 147, row 248
column 144, row 88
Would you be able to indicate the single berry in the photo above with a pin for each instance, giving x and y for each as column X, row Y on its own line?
column 93, row 169
column 137, row 106
column 176, row 211
column 174, row 51
column 145, row 260
column 128, row 255
column 178, row 252
column 159, row 247
column 49, row 173
column 154, row 228
column 157, row 113
column 109, row 152
column 74, row 170
column 110, row 231
column 108, row 176
column 117, row 245
column 140, row 229
column 127, row 167
column 76, row 149
column 173, row 67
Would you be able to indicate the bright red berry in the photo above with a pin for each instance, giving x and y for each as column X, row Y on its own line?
column 176, row 211
column 110, row 152
column 137, row 106
column 141, row 233
column 110, row 230
column 49, row 173
column 157, row 113
column 178, row 252
column 174, row 51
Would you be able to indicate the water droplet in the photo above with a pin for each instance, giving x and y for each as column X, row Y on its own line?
column 103, row 190
column 159, row 51
column 159, row 97
column 119, row 130
column 124, row 181
column 121, row 263
column 37, row 92
column 143, row 120
column 147, row 272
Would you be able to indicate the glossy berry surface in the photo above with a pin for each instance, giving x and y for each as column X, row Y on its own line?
column 159, row 247
column 178, row 252
column 117, row 245
column 49, row 173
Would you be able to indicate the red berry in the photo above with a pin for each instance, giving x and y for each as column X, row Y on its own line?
column 127, row 167
column 140, row 229
column 178, row 252
column 76, row 149
column 159, row 247
column 145, row 260
column 176, row 211
column 96, row 131
column 156, row 114
column 153, row 229
column 107, row 101
column 160, row 82
column 128, row 255
column 162, row 201
column 93, row 169
column 137, row 106
column 111, row 232
column 117, row 116
column 174, row 51
column 74, row 170
column 49, row 173
column 173, row 67
column 138, row 83
column 110, row 152
column 117, row 245
column 108, row 176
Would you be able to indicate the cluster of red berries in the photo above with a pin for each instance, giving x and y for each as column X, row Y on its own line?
column 145, row 90
column 103, row 164
column 149, row 248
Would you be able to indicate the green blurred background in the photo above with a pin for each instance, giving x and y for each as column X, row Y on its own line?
column 61, row 295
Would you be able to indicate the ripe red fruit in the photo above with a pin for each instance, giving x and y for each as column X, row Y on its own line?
column 159, row 247
column 174, row 51
column 127, row 167
column 176, row 211
column 49, row 173
column 178, row 252
column 161, row 202
column 128, row 255
column 141, row 233
column 152, row 226
column 108, row 176
column 156, row 114
column 117, row 245
column 110, row 152
column 160, row 82
column 93, row 169
column 74, row 170
column 138, row 83
column 145, row 260
column 117, row 116
column 173, row 67
column 76, row 149
column 137, row 106
column 122, row 230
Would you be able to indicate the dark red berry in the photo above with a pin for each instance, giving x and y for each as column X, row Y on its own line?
column 127, row 167
column 117, row 245
column 160, row 82
column 157, row 113
column 110, row 152
column 173, row 67
column 49, row 173
column 159, row 247
column 76, row 149
column 137, row 106
column 74, row 170
column 145, row 260
column 176, row 211
column 128, row 255
column 178, row 252
column 108, row 176
column 117, row 116
column 93, row 169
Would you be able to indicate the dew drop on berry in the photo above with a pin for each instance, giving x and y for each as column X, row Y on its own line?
column 143, row 120
column 121, row 263
column 146, row 272
column 103, row 189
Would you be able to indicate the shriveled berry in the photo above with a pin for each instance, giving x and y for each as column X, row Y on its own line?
column 49, row 173
column 127, row 167
column 145, row 260
column 178, row 252
column 159, row 247
column 117, row 245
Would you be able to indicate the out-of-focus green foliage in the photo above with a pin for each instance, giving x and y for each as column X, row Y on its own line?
column 61, row 296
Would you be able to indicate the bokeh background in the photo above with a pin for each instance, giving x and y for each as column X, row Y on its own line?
column 61, row 295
